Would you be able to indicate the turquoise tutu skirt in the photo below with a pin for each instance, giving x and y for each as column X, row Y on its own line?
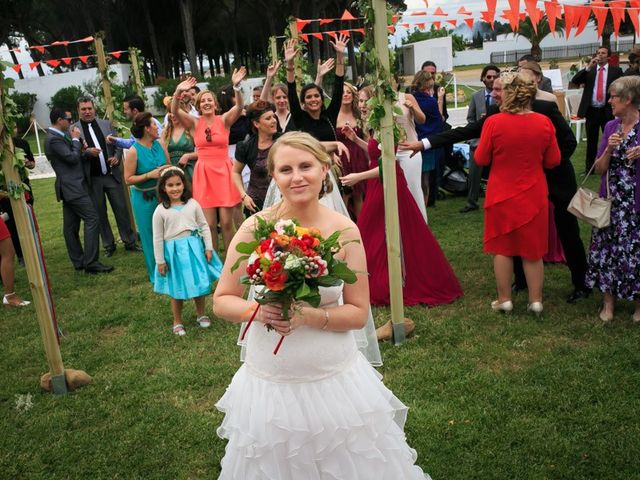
column 189, row 275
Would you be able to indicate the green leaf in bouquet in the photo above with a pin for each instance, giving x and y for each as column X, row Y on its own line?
column 328, row 281
column 342, row 271
column 303, row 291
column 247, row 247
column 238, row 262
column 313, row 299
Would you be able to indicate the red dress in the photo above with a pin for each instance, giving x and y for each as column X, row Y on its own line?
column 212, row 182
column 427, row 275
column 516, row 218
column 4, row 231
column 357, row 161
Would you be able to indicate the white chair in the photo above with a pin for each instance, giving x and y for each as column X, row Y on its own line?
column 571, row 103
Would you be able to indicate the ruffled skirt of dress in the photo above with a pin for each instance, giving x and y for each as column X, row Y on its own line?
column 348, row 426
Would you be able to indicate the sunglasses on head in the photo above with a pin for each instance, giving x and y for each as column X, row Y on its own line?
column 207, row 134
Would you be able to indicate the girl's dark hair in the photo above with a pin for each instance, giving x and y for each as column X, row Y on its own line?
column 311, row 86
column 166, row 175
column 257, row 109
column 140, row 121
column 225, row 98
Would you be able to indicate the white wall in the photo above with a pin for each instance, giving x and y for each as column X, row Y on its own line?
column 438, row 50
column 45, row 87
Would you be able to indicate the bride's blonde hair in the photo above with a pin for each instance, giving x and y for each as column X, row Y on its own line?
column 305, row 142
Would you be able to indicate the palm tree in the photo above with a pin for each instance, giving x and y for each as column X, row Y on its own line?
column 526, row 30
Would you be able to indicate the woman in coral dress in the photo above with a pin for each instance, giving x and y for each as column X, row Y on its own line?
column 213, row 186
column 518, row 143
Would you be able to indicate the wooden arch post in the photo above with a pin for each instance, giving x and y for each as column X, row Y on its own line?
column 392, row 223
column 33, row 261
column 108, row 101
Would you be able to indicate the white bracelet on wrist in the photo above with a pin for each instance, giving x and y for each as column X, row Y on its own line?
column 237, row 88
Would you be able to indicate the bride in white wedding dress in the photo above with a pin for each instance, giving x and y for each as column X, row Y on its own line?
column 317, row 410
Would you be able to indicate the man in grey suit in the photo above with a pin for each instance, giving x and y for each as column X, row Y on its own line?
column 106, row 179
column 73, row 189
column 480, row 101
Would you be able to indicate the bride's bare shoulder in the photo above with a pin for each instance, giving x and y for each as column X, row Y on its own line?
column 338, row 221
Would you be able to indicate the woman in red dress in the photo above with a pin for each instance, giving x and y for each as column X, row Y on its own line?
column 427, row 276
column 213, row 186
column 518, row 143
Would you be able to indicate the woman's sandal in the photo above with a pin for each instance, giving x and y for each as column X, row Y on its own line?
column 179, row 330
column 204, row 321
column 6, row 300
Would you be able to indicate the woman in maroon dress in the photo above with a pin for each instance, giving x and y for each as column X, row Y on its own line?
column 357, row 161
column 427, row 276
column 518, row 143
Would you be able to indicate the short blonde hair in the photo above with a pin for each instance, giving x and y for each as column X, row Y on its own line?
column 300, row 141
column 422, row 81
column 627, row 88
column 201, row 94
column 518, row 92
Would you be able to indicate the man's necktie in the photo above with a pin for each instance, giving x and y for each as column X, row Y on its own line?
column 103, row 163
column 600, row 85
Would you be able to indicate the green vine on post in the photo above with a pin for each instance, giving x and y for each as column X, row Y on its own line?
column 8, row 119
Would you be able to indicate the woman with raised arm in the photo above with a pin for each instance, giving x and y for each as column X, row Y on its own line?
column 317, row 409
column 179, row 143
column 308, row 112
column 278, row 95
column 213, row 186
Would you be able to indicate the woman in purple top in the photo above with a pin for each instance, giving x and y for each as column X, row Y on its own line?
column 614, row 255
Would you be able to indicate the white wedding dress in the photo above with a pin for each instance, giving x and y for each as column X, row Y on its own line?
column 315, row 411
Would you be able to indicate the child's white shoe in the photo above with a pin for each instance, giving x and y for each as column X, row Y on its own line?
column 204, row 321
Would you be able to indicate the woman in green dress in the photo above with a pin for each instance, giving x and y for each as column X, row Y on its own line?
column 179, row 143
column 143, row 164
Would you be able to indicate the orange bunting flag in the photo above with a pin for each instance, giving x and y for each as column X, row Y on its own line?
column 66, row 60
column 469, row 22
column 304, row 37
column 582, row 18
column 437, row 25
column 513, row 17
column 453, row 22
column 421, row 26
column 570, row 14
column 318, row 36
column 491, row 5
column 488, row 17
column 345, row 32
column 418, row 14
column 39, row 48
column 440, row 13
column 347, row 16
column 17, row 67
column 115, row 54
column 324, row 21
column 300, row 24
column 53, row 63
column 84, row 58
column 332, row 35
column 391, row 29
column 404, row 25
column 617, row 12
column 33, row 65
column 463, row 11
column 63, row 42
column 87, row 39
column 552, row 9
column 394, row 18
column 633, row 13
column 530, row 6
column 600, row 11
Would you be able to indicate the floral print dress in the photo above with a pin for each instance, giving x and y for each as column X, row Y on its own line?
column 614, row 254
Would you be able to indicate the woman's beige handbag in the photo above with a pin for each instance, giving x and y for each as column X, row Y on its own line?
column 589, row 206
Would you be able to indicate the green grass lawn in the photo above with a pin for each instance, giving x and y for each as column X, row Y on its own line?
column 490, row 396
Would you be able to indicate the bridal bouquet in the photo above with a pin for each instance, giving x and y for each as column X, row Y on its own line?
column 291, row 263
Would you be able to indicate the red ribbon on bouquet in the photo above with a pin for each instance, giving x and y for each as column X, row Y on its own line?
column 253, row 316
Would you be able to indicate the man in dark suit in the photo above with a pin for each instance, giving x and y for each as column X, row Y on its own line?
column 106, row 178
column 594, row 104
column 72, row 188
column 561, row 181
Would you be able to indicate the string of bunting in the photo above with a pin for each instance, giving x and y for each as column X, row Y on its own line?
column 575, row 16
column 54, row 63
column 40, row 48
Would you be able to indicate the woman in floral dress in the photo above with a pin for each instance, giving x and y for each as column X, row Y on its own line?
column 614, row 255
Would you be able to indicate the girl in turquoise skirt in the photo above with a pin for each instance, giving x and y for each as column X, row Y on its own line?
column 186, row 264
